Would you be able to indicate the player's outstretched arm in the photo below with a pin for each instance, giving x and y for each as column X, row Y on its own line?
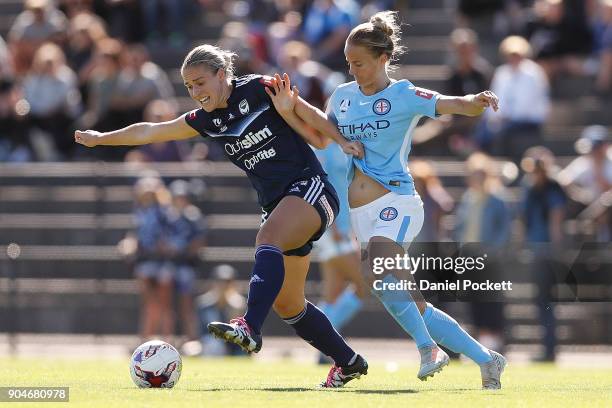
column 137, row 134
column 469, row 105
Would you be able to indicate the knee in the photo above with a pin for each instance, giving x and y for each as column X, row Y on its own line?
column 286, row 308
column 268, row 237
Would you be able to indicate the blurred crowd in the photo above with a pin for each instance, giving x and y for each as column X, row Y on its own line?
column 68, row 64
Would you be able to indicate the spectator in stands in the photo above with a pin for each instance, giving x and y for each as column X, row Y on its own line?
column 165, row 19
column 483, row 217
column 306, row 74
column 470, row 73
column 543, row 211
column 603, row 47
column 588, row 178
column 124, row 20
column 327, row 23
column 139, row 81
column 50, row 87
column 486, row 17
column 105, row 108
column 288, row 28
column 524, row 100
column 14, row 142
column 184, row 237
column 85, row 30
column 72, row 8
column 221, row 302
column 6, row 61
column 40, row 22
column 560, row 36
column 101, row 79
column 236, row 36
column 159, row 110
column 145, row 248
column 436, row 200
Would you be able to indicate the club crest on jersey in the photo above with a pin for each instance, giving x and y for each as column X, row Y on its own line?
column 381, row 106
column 388, row 214
column 217, row 122
column 344, row 105
column 244, row 107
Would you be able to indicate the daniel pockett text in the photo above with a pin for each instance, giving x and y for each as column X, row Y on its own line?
column 414, row 264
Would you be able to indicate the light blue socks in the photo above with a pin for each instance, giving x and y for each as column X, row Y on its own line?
column 400, row 305
column 446, row 331
column 434, row 325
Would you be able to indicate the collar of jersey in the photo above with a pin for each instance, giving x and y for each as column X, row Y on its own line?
column 391, row 83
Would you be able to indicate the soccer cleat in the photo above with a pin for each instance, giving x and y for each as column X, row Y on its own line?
column 339, row 376
column 491, row 372
column 237, row 331
column 433, row 360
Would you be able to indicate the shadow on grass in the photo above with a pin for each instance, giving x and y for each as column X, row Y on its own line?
column 302, row 389
column 465, row 390
column 383, row 392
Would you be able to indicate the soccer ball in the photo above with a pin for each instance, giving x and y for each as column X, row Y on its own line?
column 155, row 364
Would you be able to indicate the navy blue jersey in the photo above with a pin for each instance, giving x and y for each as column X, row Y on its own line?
column 257, row 139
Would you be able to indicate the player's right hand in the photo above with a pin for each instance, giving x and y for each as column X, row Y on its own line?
column 284, row 97
column 87, row 138
column 354, row 149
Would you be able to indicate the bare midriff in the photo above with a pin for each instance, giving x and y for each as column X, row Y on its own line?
column 363, row 190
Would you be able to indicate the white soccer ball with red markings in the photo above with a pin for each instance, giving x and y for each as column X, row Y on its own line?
column 155, row 364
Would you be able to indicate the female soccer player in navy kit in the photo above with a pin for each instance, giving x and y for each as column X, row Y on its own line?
column 297, row 201
column 386, row 211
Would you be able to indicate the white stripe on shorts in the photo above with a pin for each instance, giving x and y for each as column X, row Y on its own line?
column 313, row 195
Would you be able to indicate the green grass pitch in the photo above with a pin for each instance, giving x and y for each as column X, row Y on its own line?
column 253, row 383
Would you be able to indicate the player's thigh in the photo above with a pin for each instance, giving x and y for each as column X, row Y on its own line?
column 290, row 225
column 291, row 300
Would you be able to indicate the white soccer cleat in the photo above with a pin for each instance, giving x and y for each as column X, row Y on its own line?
column 491, row 372
column 433, row 360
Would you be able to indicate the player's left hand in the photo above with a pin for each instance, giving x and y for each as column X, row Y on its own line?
column 486, row 99
column 283, row 96
column 353, row 148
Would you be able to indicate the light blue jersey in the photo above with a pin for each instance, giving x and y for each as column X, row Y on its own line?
column 383, row 122
column 334, row 162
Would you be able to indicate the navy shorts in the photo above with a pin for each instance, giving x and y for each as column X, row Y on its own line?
column 318, row 192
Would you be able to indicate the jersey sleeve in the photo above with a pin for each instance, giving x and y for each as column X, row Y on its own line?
column 195, row 119
column 329, row 109
column 260, row 86
column 422, row 101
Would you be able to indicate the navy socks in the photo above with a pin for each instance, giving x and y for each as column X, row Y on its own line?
column 312, row 325
column 266, row 282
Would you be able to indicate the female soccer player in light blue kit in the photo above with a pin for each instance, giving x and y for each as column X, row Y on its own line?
column 386, row 211
column 337, row 251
